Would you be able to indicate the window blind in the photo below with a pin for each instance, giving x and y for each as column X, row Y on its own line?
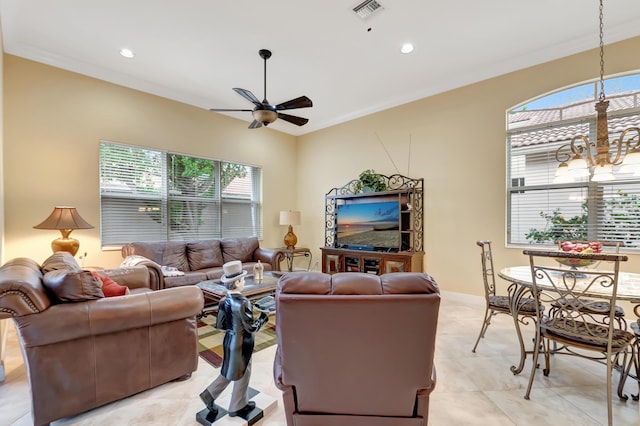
column 150, row 195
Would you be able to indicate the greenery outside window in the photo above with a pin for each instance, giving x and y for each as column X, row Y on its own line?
column 150, row 195
column 540, row 212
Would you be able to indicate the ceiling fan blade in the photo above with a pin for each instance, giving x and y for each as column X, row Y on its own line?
column 247, row 95
column 298, row 121
column 255, row 124
column 225, row 109
column 301, row 102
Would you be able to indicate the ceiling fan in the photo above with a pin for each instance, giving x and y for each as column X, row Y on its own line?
column 265, row 113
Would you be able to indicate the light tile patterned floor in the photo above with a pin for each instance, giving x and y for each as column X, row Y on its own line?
column 472, row 389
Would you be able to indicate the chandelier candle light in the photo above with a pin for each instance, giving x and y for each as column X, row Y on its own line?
column 571, row 156
column 64, row 219
column 288, row 217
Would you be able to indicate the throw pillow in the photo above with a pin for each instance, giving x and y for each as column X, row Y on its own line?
column 60, row 260
column 111, row 288
column 72, row 286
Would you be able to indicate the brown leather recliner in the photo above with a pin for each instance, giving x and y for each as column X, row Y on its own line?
column 356, row 349
column 84, row 354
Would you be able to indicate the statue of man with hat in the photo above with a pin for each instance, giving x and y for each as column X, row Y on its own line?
column 235, row 315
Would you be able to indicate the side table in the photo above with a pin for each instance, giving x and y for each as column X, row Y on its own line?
column 290, row 254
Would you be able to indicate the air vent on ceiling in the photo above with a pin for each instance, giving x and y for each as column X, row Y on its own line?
column 368, row 8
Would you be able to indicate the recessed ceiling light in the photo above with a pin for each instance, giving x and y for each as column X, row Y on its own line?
column 127, row 53
column 407, row 48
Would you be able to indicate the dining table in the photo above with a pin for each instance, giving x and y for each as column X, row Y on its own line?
column 521, row 287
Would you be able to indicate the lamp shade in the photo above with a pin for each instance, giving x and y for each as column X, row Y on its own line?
column 289, row 217
column 64, row 218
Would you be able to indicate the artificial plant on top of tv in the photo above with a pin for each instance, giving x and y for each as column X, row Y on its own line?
column 370, row 181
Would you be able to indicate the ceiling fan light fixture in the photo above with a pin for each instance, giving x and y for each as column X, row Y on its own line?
column 264, row 113
column 265, row 116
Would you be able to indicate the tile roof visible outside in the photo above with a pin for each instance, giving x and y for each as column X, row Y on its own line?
column 527, row 118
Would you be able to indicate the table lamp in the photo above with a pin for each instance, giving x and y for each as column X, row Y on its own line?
column 288, row 217
column 64, row 219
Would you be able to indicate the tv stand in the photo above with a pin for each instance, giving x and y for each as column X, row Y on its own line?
column 406, row 256
column 371, row 262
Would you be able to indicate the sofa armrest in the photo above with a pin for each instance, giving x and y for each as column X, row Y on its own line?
column 272, row 256
column 156, row 277
column 70, row 321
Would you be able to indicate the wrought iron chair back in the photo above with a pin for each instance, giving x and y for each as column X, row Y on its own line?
column 499, row 304
column 488, row 276
column 581, row 317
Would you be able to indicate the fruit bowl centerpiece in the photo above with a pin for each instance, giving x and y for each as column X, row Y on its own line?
column 587, row 247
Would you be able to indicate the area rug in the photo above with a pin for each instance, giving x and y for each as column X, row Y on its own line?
column 210, row 339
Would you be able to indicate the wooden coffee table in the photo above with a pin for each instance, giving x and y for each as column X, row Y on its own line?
column 214, row 290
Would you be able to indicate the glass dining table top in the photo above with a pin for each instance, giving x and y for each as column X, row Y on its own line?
column 628, row 282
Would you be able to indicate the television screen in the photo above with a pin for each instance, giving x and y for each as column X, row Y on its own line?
column 372, row 225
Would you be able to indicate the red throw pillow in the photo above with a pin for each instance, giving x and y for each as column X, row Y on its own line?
column 110, row 287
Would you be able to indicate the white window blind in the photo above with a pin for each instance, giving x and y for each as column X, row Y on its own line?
column 149, row 195
column 541, row 212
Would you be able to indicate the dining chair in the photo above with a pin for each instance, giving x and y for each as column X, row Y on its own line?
column 577, row 322
column 494, row 303
column 590, row 304
column 635, row 356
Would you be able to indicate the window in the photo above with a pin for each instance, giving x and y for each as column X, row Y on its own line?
column 150, row 195
column 540, row 211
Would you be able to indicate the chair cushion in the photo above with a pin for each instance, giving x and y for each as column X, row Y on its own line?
column 591, row 306
column 71, row 286
column 585, row 332
column 527, row 305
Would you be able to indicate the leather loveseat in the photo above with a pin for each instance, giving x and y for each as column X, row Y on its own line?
column 83, row 350
column 356, row 349
column 180, row 263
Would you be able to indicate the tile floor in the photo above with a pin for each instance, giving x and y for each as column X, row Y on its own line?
column 472, row 389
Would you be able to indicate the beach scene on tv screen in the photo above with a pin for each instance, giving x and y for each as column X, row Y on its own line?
column 369, row 224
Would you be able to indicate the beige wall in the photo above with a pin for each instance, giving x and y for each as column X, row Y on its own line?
column 458, row 147
column 53, row 122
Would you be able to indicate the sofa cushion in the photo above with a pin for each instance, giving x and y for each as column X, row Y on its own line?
column 204, row 254
column 73, row 286
column 175, row 255
column 60, row 260
column 172, row 253
column 238, row 248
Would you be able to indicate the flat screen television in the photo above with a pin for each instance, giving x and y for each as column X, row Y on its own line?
column 368, row 224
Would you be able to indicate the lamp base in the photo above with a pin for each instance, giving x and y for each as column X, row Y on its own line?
column 70, row 245
column 290, row 240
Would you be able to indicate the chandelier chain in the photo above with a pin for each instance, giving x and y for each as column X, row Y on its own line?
column 601, row 96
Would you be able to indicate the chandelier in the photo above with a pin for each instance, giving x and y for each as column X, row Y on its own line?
column 582, row 157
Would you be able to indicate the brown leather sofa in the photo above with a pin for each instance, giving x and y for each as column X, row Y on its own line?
column 86, row 353
column 356, row 349
column 198, row 260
